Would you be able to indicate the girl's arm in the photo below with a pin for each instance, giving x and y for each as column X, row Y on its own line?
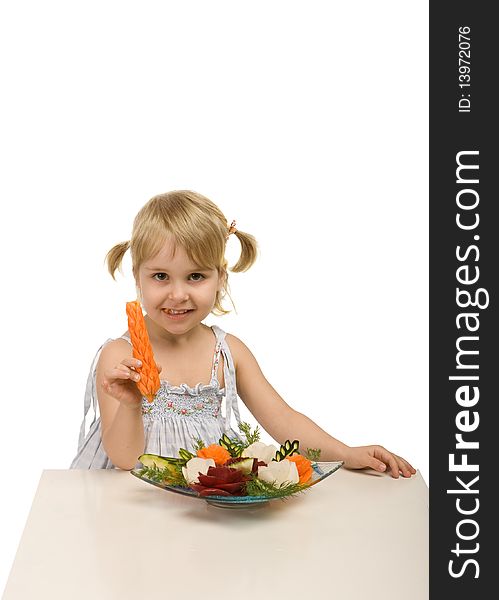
column 120, row 404
column 284, row 423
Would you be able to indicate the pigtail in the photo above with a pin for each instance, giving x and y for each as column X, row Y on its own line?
column 115, row 256
column 249, row 250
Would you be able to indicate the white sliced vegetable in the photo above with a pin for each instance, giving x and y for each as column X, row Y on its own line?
column 195, row 466
column 262, row 451
column 279, row 473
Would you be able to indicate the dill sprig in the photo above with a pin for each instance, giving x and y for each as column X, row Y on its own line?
column 257, row 487
column 198, row 444
column 251, row 436
column 236, row 446
column 171, row 475
column 313, row 454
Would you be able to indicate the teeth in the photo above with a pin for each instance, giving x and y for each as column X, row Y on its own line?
column 176, row 312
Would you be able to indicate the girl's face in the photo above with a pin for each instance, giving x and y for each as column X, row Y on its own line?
column 176, row 293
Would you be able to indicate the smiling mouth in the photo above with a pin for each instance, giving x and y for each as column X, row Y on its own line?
column 171, row 311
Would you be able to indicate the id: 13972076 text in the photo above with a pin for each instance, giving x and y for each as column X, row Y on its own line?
column 464, row 68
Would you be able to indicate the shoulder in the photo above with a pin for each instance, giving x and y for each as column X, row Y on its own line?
column 241, row 354
column 114, row 352
column 235, row 343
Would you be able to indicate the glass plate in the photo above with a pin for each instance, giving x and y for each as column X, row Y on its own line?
column 321, row 470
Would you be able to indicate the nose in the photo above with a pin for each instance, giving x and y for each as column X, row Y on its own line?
column 177, row 292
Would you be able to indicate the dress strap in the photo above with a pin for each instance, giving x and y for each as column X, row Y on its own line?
column 220, row 336
column 229, row 378
column 90, row 396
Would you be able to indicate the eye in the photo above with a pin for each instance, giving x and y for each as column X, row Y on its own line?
column 160, row 276
column 196, row 277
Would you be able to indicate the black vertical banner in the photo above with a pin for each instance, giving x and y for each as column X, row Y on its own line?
column 464, row 268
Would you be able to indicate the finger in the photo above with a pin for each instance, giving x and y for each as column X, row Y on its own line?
column 391, row 462
column 406, row 468
column 376, row 464
column 120, row 373
column 389, row 459
column 132, row 363
column 409, row 466
column 125, row 372
column 394, row 467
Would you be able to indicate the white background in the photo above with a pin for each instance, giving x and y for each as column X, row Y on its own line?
column 305, row 121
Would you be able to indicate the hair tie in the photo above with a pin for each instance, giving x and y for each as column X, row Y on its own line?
column 232, row 229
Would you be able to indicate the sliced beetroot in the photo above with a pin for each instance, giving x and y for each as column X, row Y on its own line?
column 209, row 480
column 231, row 487
column 225, row 474
column 228, row 487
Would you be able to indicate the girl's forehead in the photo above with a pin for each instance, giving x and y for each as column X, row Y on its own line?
column 169, row 253
column 171, row 256
column 169, row 250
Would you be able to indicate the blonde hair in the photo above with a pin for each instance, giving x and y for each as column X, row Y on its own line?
column 193, row 222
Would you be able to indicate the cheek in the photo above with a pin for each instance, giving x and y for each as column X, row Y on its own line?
column 140, row 283
column 210, row 293
column 148, row 291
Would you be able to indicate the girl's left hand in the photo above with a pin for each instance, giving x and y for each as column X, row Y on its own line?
column 379, row 459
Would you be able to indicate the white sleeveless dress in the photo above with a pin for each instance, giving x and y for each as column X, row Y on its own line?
column 177, row 416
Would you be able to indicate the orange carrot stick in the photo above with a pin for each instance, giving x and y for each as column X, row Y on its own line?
column 142, row 350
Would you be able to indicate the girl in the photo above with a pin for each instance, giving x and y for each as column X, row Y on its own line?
column 178, row 260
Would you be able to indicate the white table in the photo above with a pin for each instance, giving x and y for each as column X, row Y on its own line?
column 105, row 535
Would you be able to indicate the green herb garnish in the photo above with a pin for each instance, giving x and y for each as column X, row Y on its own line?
column 257, row 487
column 198, row 444
column 313, row 454
column 169, row 476
column 251, row 437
